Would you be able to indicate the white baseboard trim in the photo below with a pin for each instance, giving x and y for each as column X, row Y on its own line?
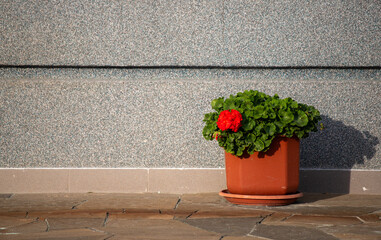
column 170, row 180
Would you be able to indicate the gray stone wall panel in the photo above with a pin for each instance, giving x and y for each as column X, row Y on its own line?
column 153, row 118
column 190, row 33
column 60, row 32
column 111, row 33
column 303, row 33
column 171, row 33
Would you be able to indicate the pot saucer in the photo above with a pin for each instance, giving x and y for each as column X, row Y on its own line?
column 260, row 200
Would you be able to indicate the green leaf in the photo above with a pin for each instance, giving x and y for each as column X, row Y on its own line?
column 279, row 124
column 230, row 148
column 251, row 150
column 207, row 117
column 272, row 115
column 283, row 105
column 270, row 129
column 248, row 125
column 207, row 132
column 274, row 103
column 294, row 104
column 240, row 151
column 299, row 134
column 251, row 138
column 210, row 117
column 259, row 145
column 238, row 135
column 264, row 137
column 301, row 119
column 258, row 111
column 218, row 103
column 229, row 104
column 268, row 142
column 258, row 129
column 249, row 114
column 290, row 131
column 286, row 116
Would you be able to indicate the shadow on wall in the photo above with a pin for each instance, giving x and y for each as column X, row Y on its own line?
column 337, row 146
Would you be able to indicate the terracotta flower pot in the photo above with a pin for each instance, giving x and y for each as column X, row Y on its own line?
column 274, row 173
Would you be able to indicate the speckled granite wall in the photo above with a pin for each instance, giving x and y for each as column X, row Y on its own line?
column 153, row 117
column 191, row 33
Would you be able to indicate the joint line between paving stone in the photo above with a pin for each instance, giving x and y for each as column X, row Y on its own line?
column 106, row 218
column 288, row 217
column 47, row 225
column 177, row 204
column 375, row 212
column 96, row 230
column 259, row 223
column 359, row 218
column 76, row 205
column 269, row 215
column 191, row 214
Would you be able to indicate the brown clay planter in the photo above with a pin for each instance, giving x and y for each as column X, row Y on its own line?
column 273, row 174
column 262, row 200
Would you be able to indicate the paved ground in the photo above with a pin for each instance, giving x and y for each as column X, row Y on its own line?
column 188, row 216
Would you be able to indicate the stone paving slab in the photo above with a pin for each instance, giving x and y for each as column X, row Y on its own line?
column 74, row 223
column 277, row 217
column 371, row 217
column 129, row 201
column 243, row 238
column 82, row 234
column 290, row 232
column 321, row 220
column 37, row 226
column 365, row 231
column 156, row 229
column 328, row 210
column 347, row 200
column 40, row 202
column 5, row 195
column 221, row 213
column 225, row 226
column 142, row 214
column 6, row 222
column 213, row 206
column 72, row 213
column 330, row 205
column 188, row 216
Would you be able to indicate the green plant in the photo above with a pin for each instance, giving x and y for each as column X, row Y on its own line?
column 260, row 119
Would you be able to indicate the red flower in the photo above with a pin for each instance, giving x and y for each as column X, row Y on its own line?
column 229, row 120
column 217, row 136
